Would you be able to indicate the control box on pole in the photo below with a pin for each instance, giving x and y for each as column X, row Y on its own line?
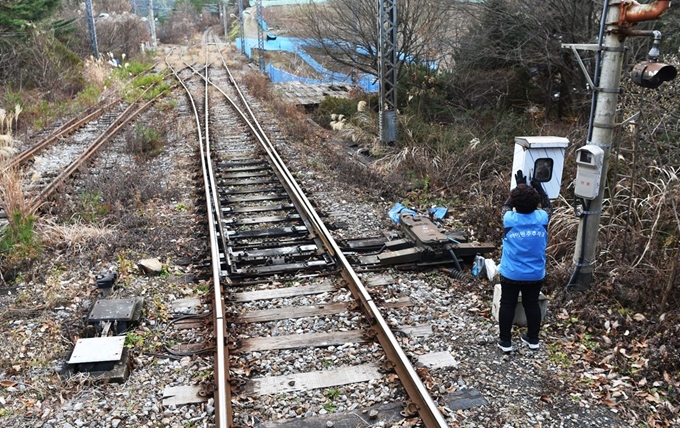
column 589, row 160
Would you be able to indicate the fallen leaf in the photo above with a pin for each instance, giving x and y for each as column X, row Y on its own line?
column 7, row 383
column 609, row 402
column 639, row 317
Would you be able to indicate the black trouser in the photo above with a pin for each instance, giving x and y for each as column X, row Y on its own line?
column 509, row 295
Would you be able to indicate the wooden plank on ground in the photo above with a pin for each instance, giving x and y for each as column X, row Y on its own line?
column 421, row 330
column 180, row 395
column 381, row 280
column 313, row 380
column 188, row 323
column 279, row 293
column 188, row 348
column 291, row 312
column 437, row 360
column 401, row 302
column 292, row 341
column 191, row 305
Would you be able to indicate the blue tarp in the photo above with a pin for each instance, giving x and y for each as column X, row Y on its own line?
column 398, row 209
column 367, row 82
column 436, row 212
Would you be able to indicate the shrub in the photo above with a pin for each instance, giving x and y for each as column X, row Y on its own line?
column 335, row 105
column 146, row 142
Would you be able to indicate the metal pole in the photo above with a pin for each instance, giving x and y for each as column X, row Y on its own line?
column 387, row 69
column 91, row 29
column 260, row 33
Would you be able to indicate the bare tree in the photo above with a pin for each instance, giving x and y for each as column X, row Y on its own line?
column 526, row 37
column 121, row 33
column 347, row 30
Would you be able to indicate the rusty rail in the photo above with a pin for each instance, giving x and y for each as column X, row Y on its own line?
column 421, row 400
column 64, row 129
column 223, row 410
column 122, row 120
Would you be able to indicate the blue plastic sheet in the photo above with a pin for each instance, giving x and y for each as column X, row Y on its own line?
column 367, row 82
column 397, row 209
column 438, row 212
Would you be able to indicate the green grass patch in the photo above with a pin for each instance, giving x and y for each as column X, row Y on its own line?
column 19, row 240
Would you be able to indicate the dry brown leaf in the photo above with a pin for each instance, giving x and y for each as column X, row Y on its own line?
column 668, row 379
column 653, row 398
column 8, row 383
column 609, row 402
column 639, row 317
column 546, row 399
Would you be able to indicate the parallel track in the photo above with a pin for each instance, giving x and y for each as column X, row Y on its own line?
column 263, row 232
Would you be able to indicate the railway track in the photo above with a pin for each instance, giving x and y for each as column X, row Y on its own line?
column 46, row 164
column 276, row 272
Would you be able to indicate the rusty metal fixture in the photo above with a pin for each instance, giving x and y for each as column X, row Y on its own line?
column 369, row 334
column 206, row 389
column 652, row 74
column 410, row 409
column 632, row 12
column 388, row 366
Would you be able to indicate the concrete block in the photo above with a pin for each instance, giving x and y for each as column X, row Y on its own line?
column 520, row 316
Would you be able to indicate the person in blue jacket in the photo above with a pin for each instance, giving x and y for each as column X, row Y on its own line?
column 522, row 269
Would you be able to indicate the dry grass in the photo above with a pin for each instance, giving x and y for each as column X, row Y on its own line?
column 7, row 149
column 12, row 199
column 71, row 235
column 96, row 71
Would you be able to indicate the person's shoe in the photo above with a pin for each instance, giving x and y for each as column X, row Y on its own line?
column 505, row 346
column 533, row 344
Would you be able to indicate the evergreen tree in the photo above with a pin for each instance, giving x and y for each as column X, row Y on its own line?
column 14, row 14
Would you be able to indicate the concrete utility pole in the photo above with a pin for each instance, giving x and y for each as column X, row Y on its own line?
column 387, row 69
column 241, row 30
column 224, row 21
column 618, row 16
column 91, row 29
column 152, row 23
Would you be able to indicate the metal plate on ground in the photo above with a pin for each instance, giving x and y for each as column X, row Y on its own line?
column 115, row 310
column 97, row 349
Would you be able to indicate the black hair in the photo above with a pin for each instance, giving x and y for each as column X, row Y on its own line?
column 524, row 199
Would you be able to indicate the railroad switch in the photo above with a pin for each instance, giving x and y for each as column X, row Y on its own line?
column 420, row 243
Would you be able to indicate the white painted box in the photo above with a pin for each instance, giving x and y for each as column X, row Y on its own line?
column 541, row 158
column 520, row 316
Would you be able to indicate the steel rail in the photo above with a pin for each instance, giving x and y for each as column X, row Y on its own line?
column 122, row 120
column 424, row 404
column 66, row 128
column 223, row 412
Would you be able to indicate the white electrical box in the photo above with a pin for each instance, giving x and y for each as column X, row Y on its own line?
column 541, row 158
column 589, row 161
